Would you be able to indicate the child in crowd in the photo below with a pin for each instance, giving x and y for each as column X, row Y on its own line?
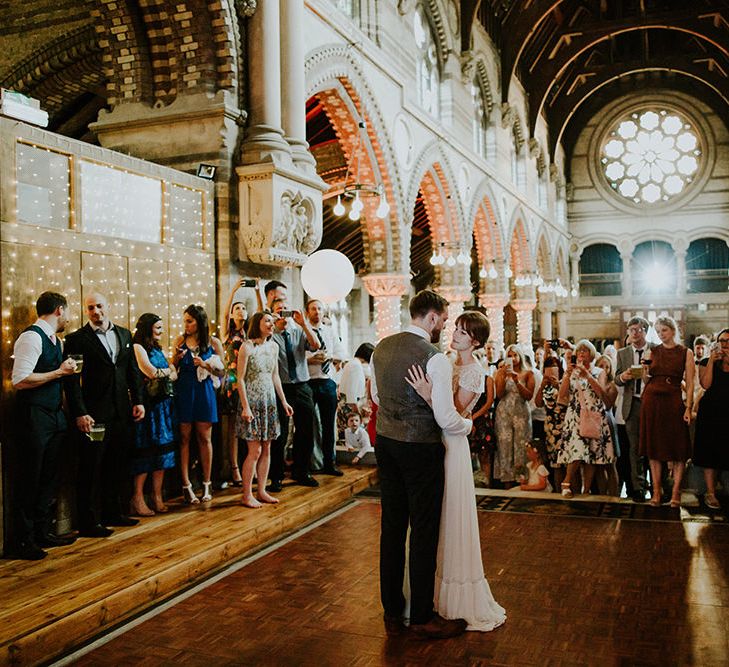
column 356, row 438
column 538, row 479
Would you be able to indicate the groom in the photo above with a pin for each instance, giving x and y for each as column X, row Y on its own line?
column 410, row 455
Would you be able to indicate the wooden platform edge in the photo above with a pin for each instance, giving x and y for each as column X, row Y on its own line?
column 64, row 635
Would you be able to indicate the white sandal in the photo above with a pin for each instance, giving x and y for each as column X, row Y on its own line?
column 566, row 490
column 207, row 495
column 189, row 495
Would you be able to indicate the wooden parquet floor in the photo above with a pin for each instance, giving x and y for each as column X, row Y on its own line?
column 577, row 592
column 77, row 592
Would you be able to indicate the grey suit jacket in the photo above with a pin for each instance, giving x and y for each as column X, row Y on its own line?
column 625, row 361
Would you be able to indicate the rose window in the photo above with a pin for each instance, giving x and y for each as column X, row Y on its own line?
column 651, row 156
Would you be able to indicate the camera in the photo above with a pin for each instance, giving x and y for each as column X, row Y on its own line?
column 554, row 343
column 285, row 313
column 574, row 359
column 248, row 282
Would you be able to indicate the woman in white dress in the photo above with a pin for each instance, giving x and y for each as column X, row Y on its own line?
column 461, row 589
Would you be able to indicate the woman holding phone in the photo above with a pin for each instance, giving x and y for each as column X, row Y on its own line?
column 547, row 395
column 514, row 389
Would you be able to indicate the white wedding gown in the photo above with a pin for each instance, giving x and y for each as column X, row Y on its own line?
column 461, row 589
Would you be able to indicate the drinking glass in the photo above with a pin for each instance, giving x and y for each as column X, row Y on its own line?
column 79, row 359
column 97, row 432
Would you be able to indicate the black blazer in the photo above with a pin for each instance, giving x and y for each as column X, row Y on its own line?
column 103, row 389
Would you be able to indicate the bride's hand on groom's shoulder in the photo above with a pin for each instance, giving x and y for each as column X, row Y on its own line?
column 420, row 381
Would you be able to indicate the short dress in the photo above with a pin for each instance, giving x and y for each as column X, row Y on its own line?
column 261, row 394
column 155, row 435
column 196, row 401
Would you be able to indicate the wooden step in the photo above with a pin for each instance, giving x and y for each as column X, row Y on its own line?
column 80, row 591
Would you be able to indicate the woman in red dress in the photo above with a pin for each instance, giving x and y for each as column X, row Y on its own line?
column 664, row 418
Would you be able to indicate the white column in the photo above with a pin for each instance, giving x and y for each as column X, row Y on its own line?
column 524, row 311
column 627, row 274
column 264, row 140
column 293, row 85
column 562, row 324
column 495, row 304
column 545, row 323
column 387, row 290
column 680, row 271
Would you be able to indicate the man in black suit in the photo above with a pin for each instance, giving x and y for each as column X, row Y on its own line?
column 107, row 391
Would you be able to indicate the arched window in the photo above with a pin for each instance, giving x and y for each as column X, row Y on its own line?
column 428, row 74
column 518, row 163
column 654, row 268
column 601, row 271
column 707, row 266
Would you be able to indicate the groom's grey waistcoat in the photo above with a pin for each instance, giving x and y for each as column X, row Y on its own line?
column 402, row 414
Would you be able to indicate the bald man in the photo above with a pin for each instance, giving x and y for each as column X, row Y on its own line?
column 108, row 391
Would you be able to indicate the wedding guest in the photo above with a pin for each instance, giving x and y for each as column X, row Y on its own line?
column 321, row 381
column 608, row 483
column 356, row 439
column 274, row 289
column 537, row 478
column 514, row 389
column 155, row 436
column 38, row 369
column 630, row 357
column 197, row 359
column 585, row 442
column 664, row 418
column 712, row 422
column 353, row 383
column 101, row 394
column 257, row 423
column 228, row 404
column 493, row 354
column 701, row 351
column 294, row 337
column 536, row 411
column 547, row 395
column 482, row 439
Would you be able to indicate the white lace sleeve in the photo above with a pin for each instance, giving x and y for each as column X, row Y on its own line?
column 472, row 378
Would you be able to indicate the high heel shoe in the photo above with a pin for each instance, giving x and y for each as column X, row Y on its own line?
column 189, row 495
column 207, row 495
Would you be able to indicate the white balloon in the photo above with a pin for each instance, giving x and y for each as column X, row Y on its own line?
column 327, row 275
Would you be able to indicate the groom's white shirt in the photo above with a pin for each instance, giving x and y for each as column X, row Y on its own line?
column 441, row 374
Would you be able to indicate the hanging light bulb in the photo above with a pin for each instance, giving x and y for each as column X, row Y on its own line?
column 573, row 292
column 353, row 214
column 483, row 273
column 538, row 281
column 434, row 259
column 493, row 273
column 461, row 258
column 384, row 208
column 451, row 261
column 508, row 272
column 357, row 204
column 338, row 207
column 528, row 279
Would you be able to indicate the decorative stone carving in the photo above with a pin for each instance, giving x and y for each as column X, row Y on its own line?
column 508, row 115
column 386, row 284
column 468, row 66
column 535, row 149
column 280, row 214
column 405, row 6
column 246, row 8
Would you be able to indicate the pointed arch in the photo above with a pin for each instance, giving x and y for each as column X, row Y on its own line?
column 544, row 260
column 485, row 226
column 520, row 255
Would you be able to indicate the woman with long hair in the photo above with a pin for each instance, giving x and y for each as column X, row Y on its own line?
column 664, row 417
column 608, row 482
column 198, row 358
column 257, row 422
column 155, row 436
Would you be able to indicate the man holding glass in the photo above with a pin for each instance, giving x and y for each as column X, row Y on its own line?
column 101, row 394
column 37, row 372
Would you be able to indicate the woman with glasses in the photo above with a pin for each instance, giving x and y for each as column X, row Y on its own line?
column 712, row 421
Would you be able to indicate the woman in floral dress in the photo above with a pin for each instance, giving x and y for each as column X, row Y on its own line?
column 257, row 423
column 547, row 396
column 583, row 383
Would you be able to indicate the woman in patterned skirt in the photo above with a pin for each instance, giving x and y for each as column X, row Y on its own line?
column 257, row 423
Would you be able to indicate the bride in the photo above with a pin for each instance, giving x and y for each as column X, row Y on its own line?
column 461, row 589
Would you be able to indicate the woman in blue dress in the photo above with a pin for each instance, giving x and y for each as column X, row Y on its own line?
column 198, row 359
column 154, row 441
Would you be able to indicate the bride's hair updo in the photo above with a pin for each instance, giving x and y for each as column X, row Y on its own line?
column 475, row 325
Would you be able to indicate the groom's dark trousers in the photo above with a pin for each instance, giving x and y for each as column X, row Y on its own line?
column 411, row 479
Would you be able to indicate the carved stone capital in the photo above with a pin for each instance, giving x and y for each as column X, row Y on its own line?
column 405, row 6
column 455, row 293
column 534, row 148
column 468, row 66
column 386, row 284
column 280, row 215
column 246, row 8
column 493, row 300
column 524, row 304
column 508, row 115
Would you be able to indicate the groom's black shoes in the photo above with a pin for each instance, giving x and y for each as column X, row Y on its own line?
column 439, row 628
column 394, row 626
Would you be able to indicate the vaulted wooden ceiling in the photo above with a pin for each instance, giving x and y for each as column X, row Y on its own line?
column 574, row 56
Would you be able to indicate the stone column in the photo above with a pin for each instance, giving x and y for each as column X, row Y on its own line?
column 264, row 140
column 495, row 304
column 293, row 85
column 387, row 290
column 627, row 281
column 547, row 306
column 680, row 248
column 562, row 324
column 524, row 311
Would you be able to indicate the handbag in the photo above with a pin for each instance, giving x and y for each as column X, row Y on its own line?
column 160, row 388
column 590, row 425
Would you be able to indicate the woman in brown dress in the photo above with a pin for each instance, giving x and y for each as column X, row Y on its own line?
column 664, row 418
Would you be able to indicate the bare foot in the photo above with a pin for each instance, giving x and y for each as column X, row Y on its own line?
column 159, row 506
column 251, row 502
column 140, row 509
column 267, row 498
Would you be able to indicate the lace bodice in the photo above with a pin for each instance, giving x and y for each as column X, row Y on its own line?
column 470, row 377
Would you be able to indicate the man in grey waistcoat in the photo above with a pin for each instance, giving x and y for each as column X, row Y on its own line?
column 410, row 456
